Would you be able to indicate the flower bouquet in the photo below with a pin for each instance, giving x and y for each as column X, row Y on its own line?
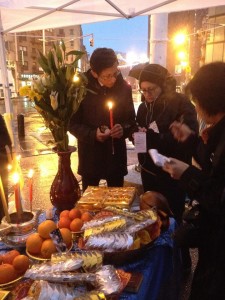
column 58, row 93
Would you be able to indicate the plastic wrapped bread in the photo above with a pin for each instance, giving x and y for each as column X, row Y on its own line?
column 110, row 241
column 110, row 225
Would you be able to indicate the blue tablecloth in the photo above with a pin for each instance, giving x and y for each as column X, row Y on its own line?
column 160, row 268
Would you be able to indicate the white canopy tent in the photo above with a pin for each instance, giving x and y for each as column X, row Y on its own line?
column 28, row 15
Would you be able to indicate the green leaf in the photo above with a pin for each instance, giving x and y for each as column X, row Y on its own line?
column 51, row 63
column 42, row 60
column 69, row 72
column 47, row 108
column 62, row 78
column 59, row 54
column 62, row 44
column 75, row 52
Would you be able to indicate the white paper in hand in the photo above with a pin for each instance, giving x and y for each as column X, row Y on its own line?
column 140, row 142
column 158, row 159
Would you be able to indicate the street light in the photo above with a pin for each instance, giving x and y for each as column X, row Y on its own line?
column 179, row 39
column 181, row 42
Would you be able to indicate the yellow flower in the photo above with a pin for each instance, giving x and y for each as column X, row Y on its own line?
column 24, row 91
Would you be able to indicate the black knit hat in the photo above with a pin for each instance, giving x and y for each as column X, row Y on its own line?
column 154, row 73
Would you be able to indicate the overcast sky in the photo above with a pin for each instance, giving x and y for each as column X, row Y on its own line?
column 121, row 35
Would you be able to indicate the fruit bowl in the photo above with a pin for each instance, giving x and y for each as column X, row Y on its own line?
column 119, row 258
column 39, row 257
column 10, row 284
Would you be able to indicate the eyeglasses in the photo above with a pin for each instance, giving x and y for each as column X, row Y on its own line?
column 148, row 90
column 109, row 77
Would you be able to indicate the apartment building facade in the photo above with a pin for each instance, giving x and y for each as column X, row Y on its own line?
column 22, row 50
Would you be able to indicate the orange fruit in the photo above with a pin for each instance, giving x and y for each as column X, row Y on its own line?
column 136, row 244
column 86, row 216
column 154, row 229
column 8, row 257
column 76, row 225
column 47, row 248
column 64, row 213
column 144, row 237
column 74, row 213
column 21, row 263
column 45, row 228
column 64, row 222
column 34, row 243
column 67, row 236
column 7, row 273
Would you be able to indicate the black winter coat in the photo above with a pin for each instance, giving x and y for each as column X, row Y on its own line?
column 163, row 111
column 208, row 187
column 96, row 158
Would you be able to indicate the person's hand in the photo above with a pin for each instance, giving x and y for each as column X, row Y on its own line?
column 117, row 131
column 175, row 167
column 180, row 131
column 102, row 136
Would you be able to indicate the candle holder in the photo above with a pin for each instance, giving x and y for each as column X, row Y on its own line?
column 18, row 232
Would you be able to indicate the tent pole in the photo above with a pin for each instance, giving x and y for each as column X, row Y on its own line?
column 8, row 116
column 159, row 39
column 5, row 79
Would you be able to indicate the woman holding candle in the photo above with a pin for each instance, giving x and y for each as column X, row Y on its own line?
column 4, row 141
column 101, row 129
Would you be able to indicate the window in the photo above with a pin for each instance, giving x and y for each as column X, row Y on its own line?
column 61, row 32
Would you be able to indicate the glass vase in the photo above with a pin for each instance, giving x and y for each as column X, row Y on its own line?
column 65, row 190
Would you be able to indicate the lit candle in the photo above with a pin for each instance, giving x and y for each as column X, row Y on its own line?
column 4, row 203
column 110, row 105
column 18, row 203
column 30, row 182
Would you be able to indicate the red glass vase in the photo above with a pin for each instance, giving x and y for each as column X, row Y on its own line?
column 65, row 190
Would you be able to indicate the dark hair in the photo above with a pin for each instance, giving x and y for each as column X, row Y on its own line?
column 159, row 75
column 102, row 58
column 208, row 88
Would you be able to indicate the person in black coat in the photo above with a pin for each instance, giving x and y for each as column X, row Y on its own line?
column 102, row 149
column 4, row 141
column 162, row 106
column 207, row 184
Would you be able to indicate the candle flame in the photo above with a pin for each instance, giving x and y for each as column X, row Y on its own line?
column 110, row 105
column 9, row 167
column 30, row 173
column 16, row 177
column 75, row 78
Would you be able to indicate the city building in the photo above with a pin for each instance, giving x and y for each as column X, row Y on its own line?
column 22, row 50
